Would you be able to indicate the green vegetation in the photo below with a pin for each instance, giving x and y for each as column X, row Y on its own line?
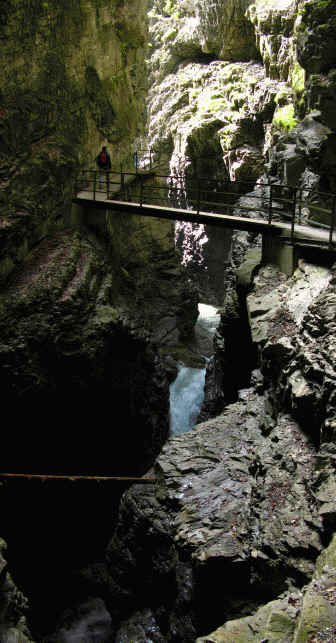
column 284, row 118
column 281, row 98
column 298, row 79
column 170, row 35
column 169, row 7
column 101, row 109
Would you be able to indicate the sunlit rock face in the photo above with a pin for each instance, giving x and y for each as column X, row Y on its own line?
column 297, row 616
column 213, row 111
column 182, row 29
column 228, row 101
column 307, row 59
column 274, row 22
column 228, row 114
column 218, row 101
column 224, row 29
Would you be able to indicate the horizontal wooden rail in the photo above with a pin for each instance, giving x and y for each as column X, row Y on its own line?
column 75, row 478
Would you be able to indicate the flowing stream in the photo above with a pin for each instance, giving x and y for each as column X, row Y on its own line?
column 187, row 391
column 89, row 621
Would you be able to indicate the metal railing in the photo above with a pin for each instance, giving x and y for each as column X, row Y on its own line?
column 267, row 201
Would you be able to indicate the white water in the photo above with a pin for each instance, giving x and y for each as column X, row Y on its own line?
column 187, row 391
column 91, row 625
column 186, row 397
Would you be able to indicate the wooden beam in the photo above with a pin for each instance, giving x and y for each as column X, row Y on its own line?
column 74, row 478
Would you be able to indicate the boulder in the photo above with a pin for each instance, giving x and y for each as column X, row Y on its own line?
column 315, row 38
column 69, row 349
column 232, row 500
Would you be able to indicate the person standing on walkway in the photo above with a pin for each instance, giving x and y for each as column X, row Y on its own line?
column 103, row 161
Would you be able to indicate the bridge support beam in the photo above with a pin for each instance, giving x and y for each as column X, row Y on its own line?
column 280, row 252
column 77, row 214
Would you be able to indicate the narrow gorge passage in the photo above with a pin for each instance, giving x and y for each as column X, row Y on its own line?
column 236, row 539
column 187, row 391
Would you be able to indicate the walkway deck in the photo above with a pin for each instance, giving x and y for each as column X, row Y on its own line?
column 303, row 234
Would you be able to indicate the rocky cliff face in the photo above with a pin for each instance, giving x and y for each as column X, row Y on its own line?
column 252, row 100
column 78, row 332
column 243, row 507
column 246, row 501
column 243, row 503
column 65, row 294
column 85, row 63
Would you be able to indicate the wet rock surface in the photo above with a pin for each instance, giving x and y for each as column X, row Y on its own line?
column 13, row 606
column 234, row 500
column 246, row 501
column 247, row 495
column 306, row 615
column 70, row 348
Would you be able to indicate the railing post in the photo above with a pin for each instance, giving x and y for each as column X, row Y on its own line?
column 150, row 159
column 94, row 185
column 170, row 195
column 333, row 221
column 108, row 178
column 293, row 215
column 300, row 204
column 270, row 204
column 141, row 190
column 136, row 161
column 122, row 182
column 198, row 196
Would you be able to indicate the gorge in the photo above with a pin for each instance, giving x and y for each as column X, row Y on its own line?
column 234, row 541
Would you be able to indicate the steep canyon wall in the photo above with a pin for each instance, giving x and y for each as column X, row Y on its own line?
column 245, row 502
column 72, row 78
column 80, row 311
column 241, row 521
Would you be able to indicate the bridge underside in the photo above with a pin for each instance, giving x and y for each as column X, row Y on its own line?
column 279, row 246
column 173, row 214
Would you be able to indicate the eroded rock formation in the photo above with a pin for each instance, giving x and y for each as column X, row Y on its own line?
column 74, row 298
column 245, row 501
column 79, row 362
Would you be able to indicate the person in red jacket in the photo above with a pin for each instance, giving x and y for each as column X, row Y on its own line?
column 103, row 161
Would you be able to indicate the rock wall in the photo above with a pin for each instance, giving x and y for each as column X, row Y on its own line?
column 227, row 102
column 82, row 310
column 243, row 504
column 86, row 87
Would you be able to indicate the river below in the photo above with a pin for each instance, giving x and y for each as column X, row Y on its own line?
column 187, row 390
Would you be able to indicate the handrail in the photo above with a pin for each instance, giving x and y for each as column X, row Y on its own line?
column 275, row 200
column 75, row 478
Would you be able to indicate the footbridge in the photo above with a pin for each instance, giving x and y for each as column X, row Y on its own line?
column 292, row 220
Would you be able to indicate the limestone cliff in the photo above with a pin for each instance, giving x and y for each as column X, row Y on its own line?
column 71, row 78
column 245, row 101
